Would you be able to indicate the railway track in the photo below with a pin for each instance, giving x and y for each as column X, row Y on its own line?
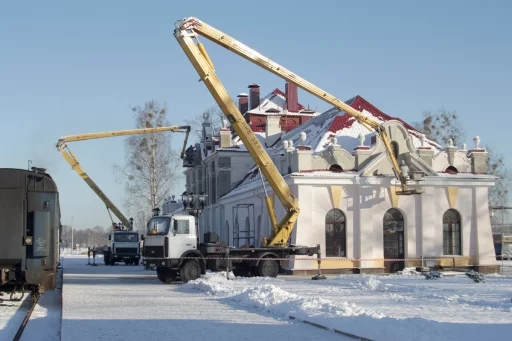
column 34, row 299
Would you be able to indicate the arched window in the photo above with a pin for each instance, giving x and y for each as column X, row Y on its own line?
column 225, row 236
column 451, row 170
column 236, row 233
column 257, row 242
column 396, row 149
column 248, row 235
column 335, row 234
column 393, row 225
column 451, row 233
column 335, row 168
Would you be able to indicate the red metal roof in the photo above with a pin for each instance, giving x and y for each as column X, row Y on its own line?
column 359, row 103
column 278, row 92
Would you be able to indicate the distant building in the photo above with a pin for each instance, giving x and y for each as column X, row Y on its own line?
column 346, row 188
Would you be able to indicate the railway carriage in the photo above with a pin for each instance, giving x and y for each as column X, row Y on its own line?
column 30, row 229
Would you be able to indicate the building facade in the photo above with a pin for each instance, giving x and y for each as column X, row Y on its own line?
column 346, row 188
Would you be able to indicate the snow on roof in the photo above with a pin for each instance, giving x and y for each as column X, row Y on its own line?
column 275, row 104
column 321, row 128
column 259, row 135
column 337, row 123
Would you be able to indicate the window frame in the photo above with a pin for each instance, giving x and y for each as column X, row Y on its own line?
column 339, row 235
column 454, row 235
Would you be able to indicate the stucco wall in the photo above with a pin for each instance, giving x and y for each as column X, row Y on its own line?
column 423, row 216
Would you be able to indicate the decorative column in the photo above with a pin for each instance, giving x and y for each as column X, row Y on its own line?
column 361, row 152
column 451, row 150
column 479, row 158
column 225, row 135
column 303, row 154
column 425, row 151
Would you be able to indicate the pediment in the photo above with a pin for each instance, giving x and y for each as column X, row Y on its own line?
column 381, row 165
column 418, row 165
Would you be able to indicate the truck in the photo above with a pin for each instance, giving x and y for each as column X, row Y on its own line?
column 172, row 247
column 172, row 242
column 123, row 246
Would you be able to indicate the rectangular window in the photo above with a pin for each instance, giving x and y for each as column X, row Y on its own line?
column 204, row 180
column 182, row 226
column 224, row 162
column 451, row 239
column 224, row 182
column 214, row 190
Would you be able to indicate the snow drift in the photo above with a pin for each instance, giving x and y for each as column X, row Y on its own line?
column 267, row 295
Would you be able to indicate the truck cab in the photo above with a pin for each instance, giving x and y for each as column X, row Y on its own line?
column 124, row 246
column 171, row 245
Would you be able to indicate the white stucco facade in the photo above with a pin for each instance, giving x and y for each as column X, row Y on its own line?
column 447, row 224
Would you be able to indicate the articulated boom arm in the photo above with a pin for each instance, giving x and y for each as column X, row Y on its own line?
column 73, row 161
column 190, row 27
column 198, row 57
column 186, row 32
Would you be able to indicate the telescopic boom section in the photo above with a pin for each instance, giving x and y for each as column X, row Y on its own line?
column 73, row 160
column 190, row 27
column 204, row 67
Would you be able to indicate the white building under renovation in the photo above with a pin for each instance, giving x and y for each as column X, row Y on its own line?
column 346, row 188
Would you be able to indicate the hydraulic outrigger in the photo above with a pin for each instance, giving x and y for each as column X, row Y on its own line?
column 73, row 160
column 187, row 32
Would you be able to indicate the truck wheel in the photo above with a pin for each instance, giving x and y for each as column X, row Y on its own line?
column 166, row 276
column 268, row 268
column 190, row 271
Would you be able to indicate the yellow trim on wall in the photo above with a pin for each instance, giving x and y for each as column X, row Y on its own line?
column 336, row 196
column 327, row 264
column 393, row 197
column 452, row 193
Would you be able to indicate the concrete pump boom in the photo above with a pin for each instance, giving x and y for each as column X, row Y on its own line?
column 73, row 160
column 186, row 33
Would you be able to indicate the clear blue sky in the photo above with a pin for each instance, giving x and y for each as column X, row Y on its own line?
column 69, row 67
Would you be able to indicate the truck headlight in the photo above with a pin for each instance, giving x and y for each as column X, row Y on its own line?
column 28, row 240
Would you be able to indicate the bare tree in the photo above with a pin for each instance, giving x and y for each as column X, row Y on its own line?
column 445, row 125
column 152, row 168
column 442, row 126
column 215, row 116
column 498, row 194
column 95, row 237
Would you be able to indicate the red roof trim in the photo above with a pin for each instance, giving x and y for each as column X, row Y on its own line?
column 359, row 103
column 278, row 92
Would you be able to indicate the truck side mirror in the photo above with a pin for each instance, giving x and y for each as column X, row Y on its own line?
column 175, row 227
column 141, row 237
column 109, row 237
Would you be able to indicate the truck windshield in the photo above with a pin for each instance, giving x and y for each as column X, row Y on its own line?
column 159, row 225
column 126, row 237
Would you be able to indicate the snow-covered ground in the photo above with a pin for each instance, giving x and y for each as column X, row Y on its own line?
column 12, row 314
column 128, row 303
column 395, row 307
column 44, row 323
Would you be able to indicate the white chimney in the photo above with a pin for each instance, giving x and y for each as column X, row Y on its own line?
column 272, row 129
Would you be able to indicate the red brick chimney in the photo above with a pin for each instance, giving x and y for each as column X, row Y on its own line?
column 292, row 97
column 243, row 103
column 254, row 95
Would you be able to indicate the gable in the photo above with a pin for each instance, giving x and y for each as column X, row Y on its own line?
column 381, row 165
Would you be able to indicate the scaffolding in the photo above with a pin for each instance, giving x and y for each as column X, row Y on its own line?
column 248, row 232
column 501, row 229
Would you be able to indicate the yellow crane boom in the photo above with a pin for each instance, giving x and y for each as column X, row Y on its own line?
column 70, row 157
column 186, row 32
